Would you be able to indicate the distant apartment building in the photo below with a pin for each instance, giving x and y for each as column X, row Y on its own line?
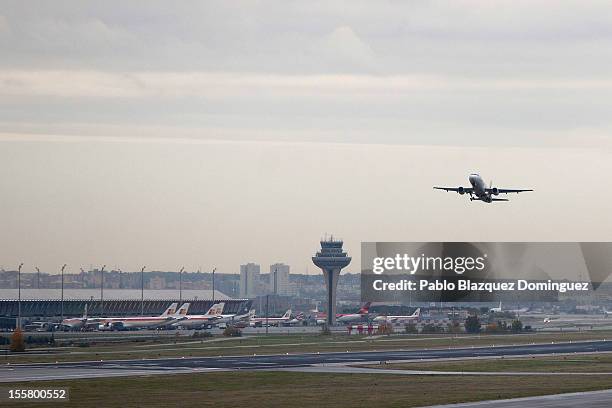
column 249, row 280
column 279, row 279
column 157, row 282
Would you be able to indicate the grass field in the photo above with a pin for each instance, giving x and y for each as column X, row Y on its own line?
column 280, row 344
column 593, row 363
column 280, row 389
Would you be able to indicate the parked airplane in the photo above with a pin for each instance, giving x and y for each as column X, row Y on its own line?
column 496, row 309
column 479, row 191
column 141, row 322
column 355, row 317
column 399, row 319
column 298, row 319
column 575, row 321
column 321, row 317
column 78, row 323
column 270, row 321
column 212, row 317
column 518, row 311
column 549, row 319
column 606, row 313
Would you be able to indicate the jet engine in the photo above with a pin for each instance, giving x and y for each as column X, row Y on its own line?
column 494, row 191
column 117, row 326
column 461, row 190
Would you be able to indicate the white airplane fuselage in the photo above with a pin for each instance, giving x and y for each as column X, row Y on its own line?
column 74, row 324
column 133, row 322
column 196, row 321
column 400, row 318
column 352, row 318
column 480, row 188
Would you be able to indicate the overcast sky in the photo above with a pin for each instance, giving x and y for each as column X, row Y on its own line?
column 205, row 134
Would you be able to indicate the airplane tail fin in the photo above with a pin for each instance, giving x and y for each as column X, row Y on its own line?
column 170, row 310
column 364, row 309
column 85, row 312
column 216, row 309
column 182, row 311
column 417, row 313
column 287, row 314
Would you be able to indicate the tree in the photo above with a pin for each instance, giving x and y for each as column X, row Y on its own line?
column 411, row 328
column 472, row 324
column 17, row 341
column 454, row 327
column 432, row 328
column 231, row 331
column 517, row 326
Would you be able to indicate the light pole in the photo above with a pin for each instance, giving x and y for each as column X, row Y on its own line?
column 181, row 285
column 142, row 291
column 267, row 325
column 213, row 284
column 62, row 305
column 37, row 278
column 102, row 291
column 19, row 296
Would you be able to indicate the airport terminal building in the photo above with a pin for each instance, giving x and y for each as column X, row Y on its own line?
column 39, row 304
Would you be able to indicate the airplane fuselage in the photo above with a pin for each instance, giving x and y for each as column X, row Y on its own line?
column 270, row 321
column 133, row 322
column 351, row 318
column 196, row 321
column 480, row 188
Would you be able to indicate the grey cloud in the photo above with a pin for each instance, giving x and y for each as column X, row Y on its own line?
column 392, row 72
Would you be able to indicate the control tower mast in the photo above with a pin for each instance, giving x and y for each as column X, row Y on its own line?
column 331, row 259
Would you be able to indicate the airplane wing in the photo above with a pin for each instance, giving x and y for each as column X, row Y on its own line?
column 506, row 190
column 467, row 190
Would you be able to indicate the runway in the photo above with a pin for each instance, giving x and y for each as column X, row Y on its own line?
column 592, row 399
column 92, row 369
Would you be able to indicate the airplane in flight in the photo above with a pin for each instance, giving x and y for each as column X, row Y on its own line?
column 479, row 190
column 395, row 319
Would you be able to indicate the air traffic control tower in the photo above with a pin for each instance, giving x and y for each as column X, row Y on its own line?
column 331, row 259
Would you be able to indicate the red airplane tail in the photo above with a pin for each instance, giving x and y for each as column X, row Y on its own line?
column 364, row 309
